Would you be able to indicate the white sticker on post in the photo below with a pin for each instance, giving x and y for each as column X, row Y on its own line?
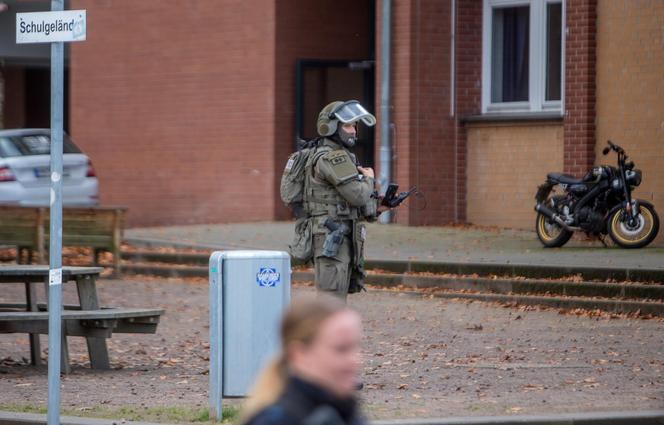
column 55, row 277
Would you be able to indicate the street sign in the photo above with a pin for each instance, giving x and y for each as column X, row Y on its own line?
column 50, row 27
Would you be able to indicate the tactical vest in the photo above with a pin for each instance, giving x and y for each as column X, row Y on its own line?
column 322, row 198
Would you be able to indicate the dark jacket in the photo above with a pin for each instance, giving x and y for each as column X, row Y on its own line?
column 303, row 403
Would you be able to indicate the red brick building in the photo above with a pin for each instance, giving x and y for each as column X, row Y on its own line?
column 189, row 110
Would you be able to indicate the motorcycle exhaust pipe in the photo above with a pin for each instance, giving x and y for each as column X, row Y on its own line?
column 548, row 212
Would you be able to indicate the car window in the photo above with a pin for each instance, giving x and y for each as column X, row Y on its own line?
column 8, row 148
column 34, row 144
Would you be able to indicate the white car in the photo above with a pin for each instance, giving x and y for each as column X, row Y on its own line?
column 25, row 170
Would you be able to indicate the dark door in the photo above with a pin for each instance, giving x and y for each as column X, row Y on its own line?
column 320, row 82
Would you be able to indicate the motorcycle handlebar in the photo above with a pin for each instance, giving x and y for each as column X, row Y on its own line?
column 613, row 146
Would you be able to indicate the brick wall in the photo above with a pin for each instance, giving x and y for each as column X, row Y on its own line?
column 468, row 87
column 581, row 19
column 333, row 29
column 506, row 163
column 188, row 112
column 174, row 104
column 630, row 89
column 423, row 137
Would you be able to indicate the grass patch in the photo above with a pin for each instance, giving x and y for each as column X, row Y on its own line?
column 176, row 414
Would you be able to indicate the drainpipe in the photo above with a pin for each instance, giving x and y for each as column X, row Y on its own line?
column 2, row 93
column 385, row 176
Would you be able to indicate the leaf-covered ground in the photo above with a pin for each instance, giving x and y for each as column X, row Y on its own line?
column 423, row 357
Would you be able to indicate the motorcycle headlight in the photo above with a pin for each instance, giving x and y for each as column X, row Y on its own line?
column 633, row 177
column 616, row 184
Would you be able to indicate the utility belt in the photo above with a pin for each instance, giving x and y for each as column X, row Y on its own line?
column 319, row 228
column 339, row 210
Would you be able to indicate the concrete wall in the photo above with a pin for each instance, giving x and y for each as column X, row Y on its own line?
column 506, row 163
column 630, row 89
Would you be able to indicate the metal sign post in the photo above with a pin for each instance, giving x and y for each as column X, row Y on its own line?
column 55, row 27
column 55, row 240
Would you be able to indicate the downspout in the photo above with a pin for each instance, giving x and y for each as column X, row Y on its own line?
column 453, row 108
column 385, row 158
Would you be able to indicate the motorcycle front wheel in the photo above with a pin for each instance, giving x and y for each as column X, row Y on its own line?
column 637, row 234
column 550, row 233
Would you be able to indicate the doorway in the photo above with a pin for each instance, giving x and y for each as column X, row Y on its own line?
column 319, row 82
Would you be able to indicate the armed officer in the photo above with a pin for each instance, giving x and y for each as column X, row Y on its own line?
column 338, row 195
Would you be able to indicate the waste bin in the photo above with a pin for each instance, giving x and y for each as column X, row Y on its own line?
column 249, row 291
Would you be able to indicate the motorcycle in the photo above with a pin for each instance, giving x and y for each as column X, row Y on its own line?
column 599, row 203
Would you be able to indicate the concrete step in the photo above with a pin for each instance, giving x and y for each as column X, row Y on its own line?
column 531, row 271
column 508, row 286
column 610, row 297
column 174, row 270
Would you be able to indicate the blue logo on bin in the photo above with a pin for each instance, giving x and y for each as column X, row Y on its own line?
column 268, row 277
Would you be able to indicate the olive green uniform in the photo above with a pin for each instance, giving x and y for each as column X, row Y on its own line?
column 334, row 189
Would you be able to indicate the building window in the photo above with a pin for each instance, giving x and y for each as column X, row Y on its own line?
column 554, row 43
column 509, row 54
column 522, row 56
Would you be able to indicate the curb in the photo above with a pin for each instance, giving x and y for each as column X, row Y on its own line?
column 570, row 302
column 524, row 270
column 519, row 286
column 653, row 417
column 534, row 271
column 170, row 258
column 511, row 286
column 612, row 306
column 165, row 271
column 12, row 418
column 161, row 243
column 570, row 295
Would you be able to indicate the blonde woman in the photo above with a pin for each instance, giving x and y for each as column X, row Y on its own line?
column 313, row 381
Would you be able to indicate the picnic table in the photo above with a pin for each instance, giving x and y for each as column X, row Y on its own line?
column 87, row 319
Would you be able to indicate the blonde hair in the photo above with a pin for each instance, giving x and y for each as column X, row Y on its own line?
column 301, row 323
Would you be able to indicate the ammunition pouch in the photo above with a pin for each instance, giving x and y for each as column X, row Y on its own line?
column 302, row 246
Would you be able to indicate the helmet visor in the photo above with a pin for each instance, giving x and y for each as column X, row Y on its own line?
column 352, row 111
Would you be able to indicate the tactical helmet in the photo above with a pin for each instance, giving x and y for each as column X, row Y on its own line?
column 346, row 112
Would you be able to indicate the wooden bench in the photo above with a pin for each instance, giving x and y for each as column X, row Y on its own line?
column 87, row 319
column 97, row 227
column 100, row 323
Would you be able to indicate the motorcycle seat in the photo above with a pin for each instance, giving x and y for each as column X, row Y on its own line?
column 563, row 178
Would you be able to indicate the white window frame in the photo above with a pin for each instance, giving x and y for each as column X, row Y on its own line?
column 537, row 60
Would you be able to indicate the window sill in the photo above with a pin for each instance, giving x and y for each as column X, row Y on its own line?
column 514, row 117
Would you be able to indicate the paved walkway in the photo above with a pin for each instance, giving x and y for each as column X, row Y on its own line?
column 393, row 242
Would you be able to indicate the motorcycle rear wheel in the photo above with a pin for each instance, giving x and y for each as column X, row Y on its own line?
column 638, row 237
column 550, row 233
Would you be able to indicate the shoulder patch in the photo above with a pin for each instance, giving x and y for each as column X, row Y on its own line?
column 341, row 167
column 338, row 160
